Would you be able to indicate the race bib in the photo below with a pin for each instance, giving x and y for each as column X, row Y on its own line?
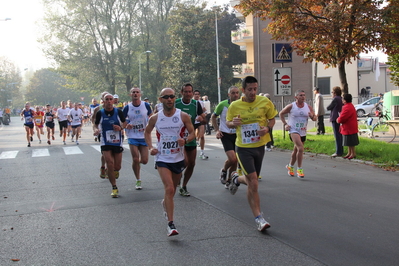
column 249, row 133
column 169, row 145
column 112, row 136
column 38, row 121
column 49, row 119
column 28, row 119
column 138, row 126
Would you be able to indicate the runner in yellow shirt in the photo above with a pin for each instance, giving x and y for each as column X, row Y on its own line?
column 253, row 117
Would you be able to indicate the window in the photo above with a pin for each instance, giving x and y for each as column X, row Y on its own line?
column 324, row 85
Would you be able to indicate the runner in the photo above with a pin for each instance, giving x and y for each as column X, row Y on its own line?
column 226, row 135
column 75, row 117
column 253, row 118
column 38, row 118
column 103, row 170
column 194, row 110
column 27, row 115
column 171, row 125
column 62, row 115
column 200, row 127
column 112, row 123
column 298, row 114
column 137, row 114
column 49, row 117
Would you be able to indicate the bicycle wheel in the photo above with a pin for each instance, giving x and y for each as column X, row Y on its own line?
column 384, row 132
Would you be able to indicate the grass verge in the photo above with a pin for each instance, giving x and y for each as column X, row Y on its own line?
column 384, row 155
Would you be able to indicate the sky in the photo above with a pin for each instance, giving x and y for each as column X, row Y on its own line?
column 18, row 36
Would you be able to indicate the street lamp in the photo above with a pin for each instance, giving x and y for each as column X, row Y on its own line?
column 146, row 52
column 217, row 54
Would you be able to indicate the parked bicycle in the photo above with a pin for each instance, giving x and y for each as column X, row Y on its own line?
column 381, row 130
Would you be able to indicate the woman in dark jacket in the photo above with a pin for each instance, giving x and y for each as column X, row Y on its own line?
column 335, row 108
column 348, row 120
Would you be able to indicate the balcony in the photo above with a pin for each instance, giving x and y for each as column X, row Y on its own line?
column 242, row 36
column 243, row 70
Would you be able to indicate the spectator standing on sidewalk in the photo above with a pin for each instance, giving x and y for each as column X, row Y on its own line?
column 318, row 102
column 349, row 128
column 335, row 108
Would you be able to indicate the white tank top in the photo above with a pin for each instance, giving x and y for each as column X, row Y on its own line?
column 138, row 117
column 298, row 119
column 169, row 129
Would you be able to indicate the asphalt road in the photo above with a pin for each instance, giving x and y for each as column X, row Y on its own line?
column 55, row 210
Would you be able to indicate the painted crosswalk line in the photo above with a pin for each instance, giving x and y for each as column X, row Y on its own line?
column 8, row 154
column 40, row 152
column 72, row 150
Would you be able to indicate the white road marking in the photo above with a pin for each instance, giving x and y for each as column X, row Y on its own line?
column 40, row 153
column 97, row 147
column 72, row 150
column 8, row 154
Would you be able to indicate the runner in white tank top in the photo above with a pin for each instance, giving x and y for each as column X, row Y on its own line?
column 170, row 124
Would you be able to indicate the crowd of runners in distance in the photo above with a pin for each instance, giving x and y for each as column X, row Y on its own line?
column 71, row 116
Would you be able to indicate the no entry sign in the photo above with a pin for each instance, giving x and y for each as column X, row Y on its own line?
column 282, row 81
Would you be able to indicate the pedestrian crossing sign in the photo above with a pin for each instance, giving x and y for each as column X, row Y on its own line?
column 282, row 53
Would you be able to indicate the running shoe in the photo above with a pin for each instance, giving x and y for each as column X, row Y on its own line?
column 165, row 214
column 261, row 223
column 290, row 170
column 77, row 142
column 227, row 185
column 204, row 157
column 103, row 173
column 268, row 149
column 72, row 139
column 64, row 142
column 53, row 137
column 28, row 144
column 223, row 176
column 183, row 192
column 31, row 138
column 299, row 173
column 116, row 174
column 40, row 141
column 138, row 185
column 260, row 177
column 49, row 142
column 115, row 193
column 233, row 186
column 172, row 230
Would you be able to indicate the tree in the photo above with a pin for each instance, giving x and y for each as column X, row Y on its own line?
column 93, row 41
column 391, row 39
column 332, row 32
column 10, row 82
column 47, row 86
column 193, row 59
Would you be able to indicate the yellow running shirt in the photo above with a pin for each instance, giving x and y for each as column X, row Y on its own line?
column 253, row 116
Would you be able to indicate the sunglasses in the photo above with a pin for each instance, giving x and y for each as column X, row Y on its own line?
column 109, row 99
column 172, row 96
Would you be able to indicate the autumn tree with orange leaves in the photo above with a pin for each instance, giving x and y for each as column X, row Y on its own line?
column 331, row 32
